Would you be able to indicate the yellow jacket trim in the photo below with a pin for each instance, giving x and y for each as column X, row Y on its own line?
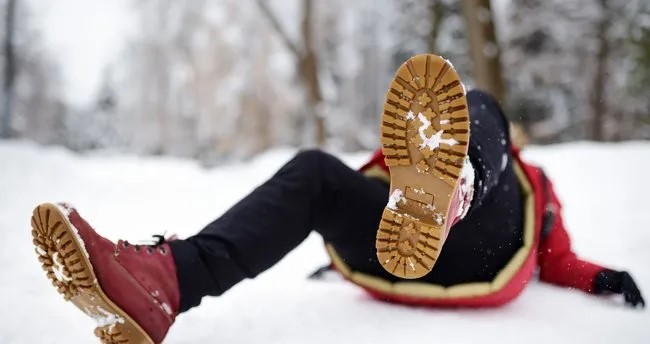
column 430, row 290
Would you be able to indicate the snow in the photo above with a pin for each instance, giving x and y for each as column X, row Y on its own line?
column 439, row 218
column 467, row 188
column 103, row 317
column 396, row 196
column 605, row 207
column 449, row 63
column 58, row 269
column 504, row 161
column 40, row 251
column 410, row 116
column 436, row 139
column 67, row 209
column 166, row 308
column 411, row 264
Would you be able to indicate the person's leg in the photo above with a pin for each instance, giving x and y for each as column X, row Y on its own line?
column 489, row 145
column 312, row 191
column 486, row 239
column 317, row 191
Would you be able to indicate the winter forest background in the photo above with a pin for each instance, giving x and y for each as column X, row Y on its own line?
column 216, row 80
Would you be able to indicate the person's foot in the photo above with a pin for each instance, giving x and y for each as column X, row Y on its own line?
column 131, row 291
column 424, row 136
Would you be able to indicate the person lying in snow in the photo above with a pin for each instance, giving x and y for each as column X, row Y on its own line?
column 463, row 223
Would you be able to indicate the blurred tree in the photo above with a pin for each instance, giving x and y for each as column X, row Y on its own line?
column 437, row 11
column 9, row 70
column 597, row 98
column 308, row 66
column 210, row 80
column 31, row 102
column 632, row 25
column 431, row 26
column 580, row 78
column 484, row 47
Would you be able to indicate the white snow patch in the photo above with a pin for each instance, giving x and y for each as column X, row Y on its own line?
column 450, row 64
column 166, row 308
column 104, row 318
column 40, row 251
column 439, row 218
column 396, row 196
column 130, row 186
column 411, row 264
column 466, row 188
column 410, row 116
column 436, row 139
column 504, row 161
column 67, row 209
column 58, row 268
column 444, row 121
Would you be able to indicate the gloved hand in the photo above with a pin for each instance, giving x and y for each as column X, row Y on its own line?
column 619, row 282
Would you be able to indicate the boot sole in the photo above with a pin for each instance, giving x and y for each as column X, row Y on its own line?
column 424, row 136
column 64, row 258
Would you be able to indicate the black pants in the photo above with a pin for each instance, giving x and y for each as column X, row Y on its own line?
column 316, row 191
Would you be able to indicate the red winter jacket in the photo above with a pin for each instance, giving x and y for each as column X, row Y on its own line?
column 549, row 248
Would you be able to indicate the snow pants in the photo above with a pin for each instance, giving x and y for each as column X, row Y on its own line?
column 316, row 191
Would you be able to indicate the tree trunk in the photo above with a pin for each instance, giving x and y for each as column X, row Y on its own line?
column 307, row 64
column 436, row 13
column 484, row 47
column 10, row 70
column 597, row 97
column 308, row 68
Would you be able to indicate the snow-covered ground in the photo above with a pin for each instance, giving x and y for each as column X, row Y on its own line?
column 604, row 187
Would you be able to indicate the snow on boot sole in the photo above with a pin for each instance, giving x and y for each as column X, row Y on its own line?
column 65, row 260
column 424, row 136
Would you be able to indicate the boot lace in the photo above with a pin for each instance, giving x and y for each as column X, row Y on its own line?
column 152, row 245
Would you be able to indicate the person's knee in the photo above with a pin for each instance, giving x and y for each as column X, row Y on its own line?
column 480, row 96
column 312, row 158
column 310, row 165
column 317, row 159
column 310, row 155
column 481, row 103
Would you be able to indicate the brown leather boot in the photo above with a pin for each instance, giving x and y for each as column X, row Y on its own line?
column 130, row 290
column 425, row 136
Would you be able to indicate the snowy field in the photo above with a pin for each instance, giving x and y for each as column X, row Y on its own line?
column 604, row 189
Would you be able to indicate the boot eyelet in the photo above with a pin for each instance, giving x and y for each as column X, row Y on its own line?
column 163, row 251
column 125, row 244
column 149, row 251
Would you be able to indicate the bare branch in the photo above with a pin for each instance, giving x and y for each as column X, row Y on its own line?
column 264, row 8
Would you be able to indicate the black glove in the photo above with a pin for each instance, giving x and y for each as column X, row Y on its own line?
column 619, row 282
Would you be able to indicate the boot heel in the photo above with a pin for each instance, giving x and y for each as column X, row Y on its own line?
column 65, row 260
column 406, row 246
